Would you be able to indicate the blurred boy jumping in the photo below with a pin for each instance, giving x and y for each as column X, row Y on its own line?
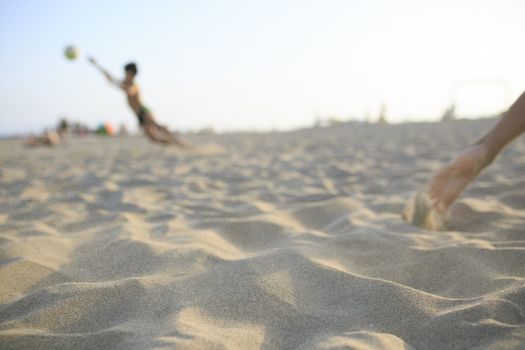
column 153, row 130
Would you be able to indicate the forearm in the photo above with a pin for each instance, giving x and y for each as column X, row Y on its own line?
column 109, row 76
column 106, row 74
column 103, row 71
column 510, row 126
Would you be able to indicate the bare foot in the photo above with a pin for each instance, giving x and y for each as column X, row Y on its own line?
column 448, row 183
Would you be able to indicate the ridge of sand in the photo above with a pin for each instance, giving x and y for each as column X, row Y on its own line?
column 259, row 241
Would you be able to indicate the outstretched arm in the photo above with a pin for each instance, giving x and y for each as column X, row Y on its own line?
column 108, row 76
column 428, row 208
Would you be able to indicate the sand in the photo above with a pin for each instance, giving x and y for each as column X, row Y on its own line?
column 420, row 211
column 259, row 241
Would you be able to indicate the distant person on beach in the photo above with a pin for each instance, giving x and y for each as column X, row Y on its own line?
column 153, row 130
column 48, row 138
column 429, row 207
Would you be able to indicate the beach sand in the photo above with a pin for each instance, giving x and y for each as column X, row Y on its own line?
column 259, row 241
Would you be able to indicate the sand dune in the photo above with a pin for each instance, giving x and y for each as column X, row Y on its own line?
column 259, row 241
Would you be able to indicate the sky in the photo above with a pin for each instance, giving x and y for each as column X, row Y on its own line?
column 259, row 65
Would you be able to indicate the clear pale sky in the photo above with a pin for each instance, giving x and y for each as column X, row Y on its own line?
column 259, row 64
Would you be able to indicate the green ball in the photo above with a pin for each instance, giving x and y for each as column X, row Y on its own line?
column 71, row 52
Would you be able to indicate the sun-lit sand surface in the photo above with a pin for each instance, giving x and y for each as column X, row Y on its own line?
column 259, row 241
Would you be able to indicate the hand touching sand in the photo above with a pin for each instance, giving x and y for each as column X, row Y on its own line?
column 429, row 207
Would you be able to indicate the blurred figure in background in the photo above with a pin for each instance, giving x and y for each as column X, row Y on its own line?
column 153, row 130
column 48, row 138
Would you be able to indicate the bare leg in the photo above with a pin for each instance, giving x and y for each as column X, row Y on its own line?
column 152, row 132
column 173, row 138
column 161, row 134
column 449, row 182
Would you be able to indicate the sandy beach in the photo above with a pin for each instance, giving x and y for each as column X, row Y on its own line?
column 259, row 241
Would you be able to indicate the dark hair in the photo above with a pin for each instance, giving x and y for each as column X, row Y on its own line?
column 131, row 67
